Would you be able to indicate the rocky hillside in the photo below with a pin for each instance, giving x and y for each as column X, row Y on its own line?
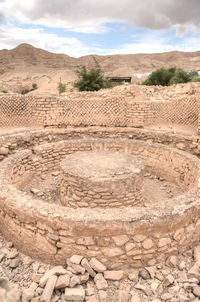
column 25, row 64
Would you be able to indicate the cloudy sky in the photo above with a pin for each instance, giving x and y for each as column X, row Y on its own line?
column 81, row 27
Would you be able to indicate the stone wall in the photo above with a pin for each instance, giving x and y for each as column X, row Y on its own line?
column 20, row 140
column 101, row 179
column 163, row 161
column 118, row 237
column 134, row 106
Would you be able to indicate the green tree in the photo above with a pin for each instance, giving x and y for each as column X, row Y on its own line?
column 161, row 76
column 91, row 79
column 180, row 76
column 61, row 87
column 166, row 77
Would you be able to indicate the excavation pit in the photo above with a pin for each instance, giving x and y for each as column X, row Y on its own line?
column 120, row 237
column 101, row 179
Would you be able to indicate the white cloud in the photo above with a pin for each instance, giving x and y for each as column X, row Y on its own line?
column 93, row 14
column 153, row 44
column 181, row 30
column 11, row 36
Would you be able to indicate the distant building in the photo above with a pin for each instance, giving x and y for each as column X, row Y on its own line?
column 141, row 75
column 120, row 79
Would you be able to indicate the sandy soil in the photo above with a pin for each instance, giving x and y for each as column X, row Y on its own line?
column 182, row 129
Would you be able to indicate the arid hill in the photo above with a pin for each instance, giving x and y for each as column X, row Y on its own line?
column 25, row 64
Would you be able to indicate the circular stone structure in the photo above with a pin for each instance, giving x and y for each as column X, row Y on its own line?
column 101, row 179
column 123, row 237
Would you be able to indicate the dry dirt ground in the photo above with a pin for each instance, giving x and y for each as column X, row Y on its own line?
column 182, row 129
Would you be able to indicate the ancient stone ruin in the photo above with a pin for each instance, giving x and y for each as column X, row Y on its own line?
column 99, row 186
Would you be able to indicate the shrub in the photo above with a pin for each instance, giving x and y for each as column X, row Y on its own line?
column 91, row 79
column 193, row 75
column 196, row 79
column 61, row 87
column 27, row 90
column 4, row 91
column 34, row 86
column 170, row 76
column 161, row 76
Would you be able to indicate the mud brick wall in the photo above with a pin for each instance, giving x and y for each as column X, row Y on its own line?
column 132, row 106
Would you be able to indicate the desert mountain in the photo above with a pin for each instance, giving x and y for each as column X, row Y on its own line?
column 25, row 64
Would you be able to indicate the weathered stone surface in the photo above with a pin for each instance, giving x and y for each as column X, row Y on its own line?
column 152, row 270
column 34, row 191
column 196, row 291
column 180, row 146
column 113, row 252
column 36, row 277
column 88, row 268
column 129, row 246
column 56, row 270
column 103, row 295
column 89, row 289
column 154, row 286
column 28, row 294
column 166, row 296
column 75, row 280
column 92, row 298
column 84, row 278
column 4, row 151
column 113, row 275
column 194, row 271
column 120, row 240
column 97, row 265
column 144, row 274
column 101, row 283
column 76, row 259
column 163, row 242
column 27, row 261
column 12, row 254
column 147, row 244
column 14, row 262
column 44, row 245
column 133, row 276
column 86, row 241
column 74, row 294
column 197, row 254
column 139, row 238
column 169, row 280
column 49, row 288
column 145, row 289
column 62, row 281
column 172, row 261
column 135, row 297
column 76, row 267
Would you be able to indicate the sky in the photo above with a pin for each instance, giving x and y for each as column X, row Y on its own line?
column 103, row 27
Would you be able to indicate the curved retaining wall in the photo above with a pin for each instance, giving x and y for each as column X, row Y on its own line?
column 20, row 140
column 129, row 237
